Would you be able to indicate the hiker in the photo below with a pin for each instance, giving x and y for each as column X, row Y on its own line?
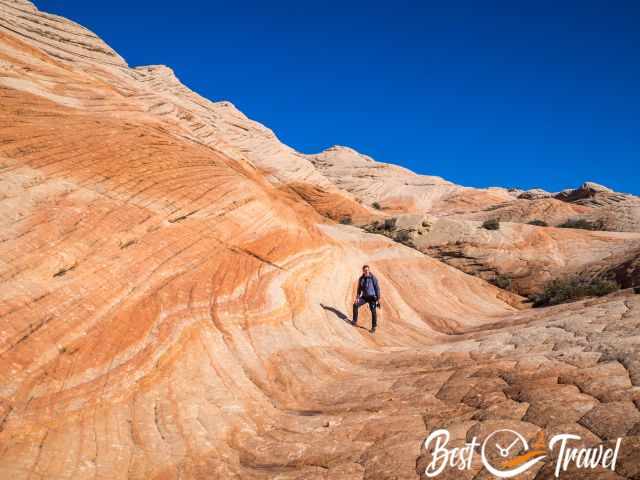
column 368, row 292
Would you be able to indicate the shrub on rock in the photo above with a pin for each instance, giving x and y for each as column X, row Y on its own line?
column 582, row 224
column 491, row 224
column 390, row 223
column 539, row 223
column 503, row 282
column 571, row 289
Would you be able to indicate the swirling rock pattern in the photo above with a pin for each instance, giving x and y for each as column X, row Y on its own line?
column 528, row 255
column 174, row 301
column 398, row 190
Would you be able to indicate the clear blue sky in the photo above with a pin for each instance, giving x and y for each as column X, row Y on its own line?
column 514, row 93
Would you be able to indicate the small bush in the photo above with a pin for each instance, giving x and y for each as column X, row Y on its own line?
column 539, row 223
column 376, row 205
column 571, row 289
column 503, row 282
column 376, row 227
column 346, row 221
column 600, row 288
column 491, row 224
column 403, row 236
column 390, row 223
column 582, row 224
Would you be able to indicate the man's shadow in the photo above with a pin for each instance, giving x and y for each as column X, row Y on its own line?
column 341, row 316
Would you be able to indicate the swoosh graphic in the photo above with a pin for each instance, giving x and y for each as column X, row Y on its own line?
column 520, row 459
column 513, row 472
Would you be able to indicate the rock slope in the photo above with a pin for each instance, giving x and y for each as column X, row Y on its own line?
column 444, row 220
column 398, row 190
column 613, row 210
column 527, row 256
column 174, row 300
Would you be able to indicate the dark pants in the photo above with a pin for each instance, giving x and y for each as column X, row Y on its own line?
column 372, row 306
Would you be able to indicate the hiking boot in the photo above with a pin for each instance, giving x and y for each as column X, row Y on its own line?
column 373, row 330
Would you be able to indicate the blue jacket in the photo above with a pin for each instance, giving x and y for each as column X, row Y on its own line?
column 368, row 287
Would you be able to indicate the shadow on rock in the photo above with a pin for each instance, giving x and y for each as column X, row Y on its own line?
column 340, row 315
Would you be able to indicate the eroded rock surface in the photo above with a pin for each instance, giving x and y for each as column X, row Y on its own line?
column 527, row 256
column 613, row 210
column 398, row 190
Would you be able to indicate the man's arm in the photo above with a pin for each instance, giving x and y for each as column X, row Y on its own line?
column 377, row 287
column 359, row 287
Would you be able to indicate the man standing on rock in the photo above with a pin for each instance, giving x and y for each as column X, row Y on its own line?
column 368, row 292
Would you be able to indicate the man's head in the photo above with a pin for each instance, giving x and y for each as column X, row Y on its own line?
column 365, row 270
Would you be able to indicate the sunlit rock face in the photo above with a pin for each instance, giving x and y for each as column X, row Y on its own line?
column 398, row 190
column 175, row 299
column 613, row 210
column 525, row 256
column 445, row 220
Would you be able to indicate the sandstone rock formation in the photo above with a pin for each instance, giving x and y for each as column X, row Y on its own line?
column 223, row 127
column 534, row 194
column 589, row 192
column 398, row 190
column 174, row 300
column 626, row 273
column 551, row 211
column 526, row 256
column 614, row 211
